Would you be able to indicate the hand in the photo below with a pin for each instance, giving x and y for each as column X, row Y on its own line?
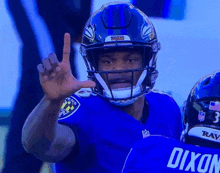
column 56, row 77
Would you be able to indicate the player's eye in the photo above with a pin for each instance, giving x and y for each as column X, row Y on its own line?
column 106, row 61
column 131, row 60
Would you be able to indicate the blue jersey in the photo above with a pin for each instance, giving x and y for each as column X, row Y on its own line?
column 163, row 155
column 105, row 134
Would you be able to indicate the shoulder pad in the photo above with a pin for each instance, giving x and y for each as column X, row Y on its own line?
column 84, row 92
column 161, row 92
column 69, row 107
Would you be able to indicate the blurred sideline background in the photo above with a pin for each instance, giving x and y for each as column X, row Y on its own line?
column 190, row 50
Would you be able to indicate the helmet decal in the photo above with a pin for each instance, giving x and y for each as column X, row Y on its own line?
column 214, row 105
column 147, row 32
column 90, row 32
column 201, row 116
column 117, row 38
column 205, row 133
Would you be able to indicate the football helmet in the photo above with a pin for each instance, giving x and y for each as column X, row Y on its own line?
column 120, row 26
column 201, row 113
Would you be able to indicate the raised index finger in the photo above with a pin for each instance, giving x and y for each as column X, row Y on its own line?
column 66, row 48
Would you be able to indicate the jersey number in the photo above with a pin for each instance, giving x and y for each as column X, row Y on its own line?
column 217, row 117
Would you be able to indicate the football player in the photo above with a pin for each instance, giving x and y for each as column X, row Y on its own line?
column 200, row 151
column 94, row 132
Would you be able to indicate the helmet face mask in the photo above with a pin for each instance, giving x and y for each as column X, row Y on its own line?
column 109, row 30
column 202, row 113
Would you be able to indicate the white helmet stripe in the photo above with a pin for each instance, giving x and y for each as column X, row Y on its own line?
column 205, row 133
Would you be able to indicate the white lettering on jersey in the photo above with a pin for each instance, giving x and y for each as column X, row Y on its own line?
column 191, row 164
column 180, row 152
column 184, row 159
column 208, row 156
column 215, row 164
column 206, row 162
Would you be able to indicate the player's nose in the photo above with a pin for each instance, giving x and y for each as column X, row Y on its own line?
column 119, row 65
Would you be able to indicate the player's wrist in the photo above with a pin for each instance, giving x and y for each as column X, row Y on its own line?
column 54, row 100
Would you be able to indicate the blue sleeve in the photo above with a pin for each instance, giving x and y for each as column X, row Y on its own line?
column 73, row 114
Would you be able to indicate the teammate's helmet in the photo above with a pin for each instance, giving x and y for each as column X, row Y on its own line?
column 202, row 113
column 120, row 26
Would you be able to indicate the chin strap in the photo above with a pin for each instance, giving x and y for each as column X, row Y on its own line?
column 123, row 93
column 123, row 102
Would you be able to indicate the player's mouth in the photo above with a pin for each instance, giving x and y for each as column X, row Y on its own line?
column 120, row 84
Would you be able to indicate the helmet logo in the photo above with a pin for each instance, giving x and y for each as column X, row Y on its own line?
column 90, row 32
column 201, row 116
column 147, row 32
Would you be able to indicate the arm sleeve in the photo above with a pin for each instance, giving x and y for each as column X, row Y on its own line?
column 74, row 114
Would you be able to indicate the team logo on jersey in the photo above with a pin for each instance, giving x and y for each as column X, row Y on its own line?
column 201, row 116
column 145, row 133
column 68, row 108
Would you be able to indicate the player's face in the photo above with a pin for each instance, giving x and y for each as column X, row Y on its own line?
column 117, row 61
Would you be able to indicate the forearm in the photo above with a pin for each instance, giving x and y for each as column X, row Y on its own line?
column 39, row 130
